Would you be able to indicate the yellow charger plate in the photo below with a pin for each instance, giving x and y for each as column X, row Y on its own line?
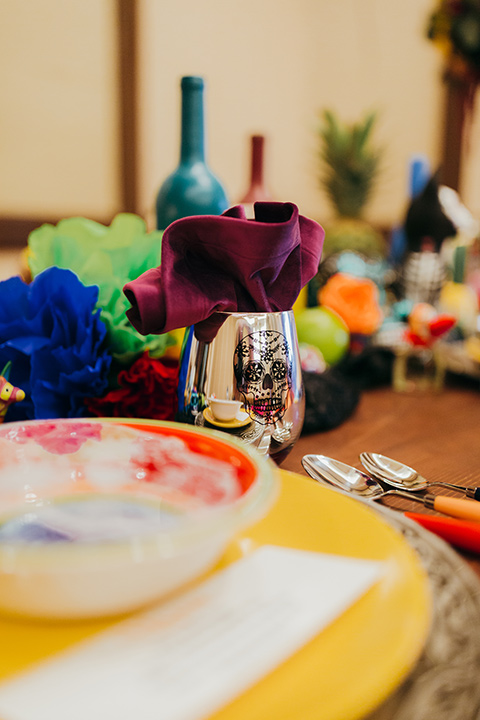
column 350, row 667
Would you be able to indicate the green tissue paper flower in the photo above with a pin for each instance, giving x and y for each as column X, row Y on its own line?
column 108, row 257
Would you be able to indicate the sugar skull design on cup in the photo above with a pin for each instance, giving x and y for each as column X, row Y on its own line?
column 263, row 373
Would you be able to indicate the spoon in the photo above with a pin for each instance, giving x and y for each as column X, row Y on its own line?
column 351, row 480
column 402, row 476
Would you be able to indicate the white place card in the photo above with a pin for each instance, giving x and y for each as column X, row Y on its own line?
column 188, row 657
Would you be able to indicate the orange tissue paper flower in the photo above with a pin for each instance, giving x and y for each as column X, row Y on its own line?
column 355, row 299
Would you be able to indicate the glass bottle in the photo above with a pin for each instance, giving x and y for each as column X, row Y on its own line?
column 257, row 192
column 459, row 299
column 192, row 189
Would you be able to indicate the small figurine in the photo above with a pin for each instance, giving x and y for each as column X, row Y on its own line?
column 426, row 325
column 427, row 226
column 419, row 364
column 9, row 394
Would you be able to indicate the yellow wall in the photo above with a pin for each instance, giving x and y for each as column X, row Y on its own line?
column 270, row 66
column 58, row 128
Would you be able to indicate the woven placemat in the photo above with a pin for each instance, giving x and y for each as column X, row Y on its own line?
column 444, row 685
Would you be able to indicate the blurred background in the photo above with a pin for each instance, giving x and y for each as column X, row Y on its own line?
column 90, row 100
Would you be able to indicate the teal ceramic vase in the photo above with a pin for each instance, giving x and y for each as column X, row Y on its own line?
column 192, row 189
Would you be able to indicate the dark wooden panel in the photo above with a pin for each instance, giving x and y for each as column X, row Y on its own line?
column 459, row 95
column 14, row 231
column 127, row 14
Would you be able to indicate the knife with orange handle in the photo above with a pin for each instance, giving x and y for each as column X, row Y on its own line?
column 464, row 534
column 465, row 509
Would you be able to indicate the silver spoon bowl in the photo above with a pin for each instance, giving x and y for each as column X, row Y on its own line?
column 342, row 476
column 404, row 477
column 392, row 472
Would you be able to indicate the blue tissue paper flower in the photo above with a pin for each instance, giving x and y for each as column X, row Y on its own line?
column 54, row 338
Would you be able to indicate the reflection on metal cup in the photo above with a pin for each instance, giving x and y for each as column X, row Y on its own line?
column 253, row 359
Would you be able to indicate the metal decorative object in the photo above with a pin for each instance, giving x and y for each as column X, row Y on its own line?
column 254, row 358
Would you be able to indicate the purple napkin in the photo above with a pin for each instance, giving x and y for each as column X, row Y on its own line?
column 212, row 264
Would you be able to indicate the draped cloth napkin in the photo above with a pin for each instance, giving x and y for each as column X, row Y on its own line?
column 226, row 263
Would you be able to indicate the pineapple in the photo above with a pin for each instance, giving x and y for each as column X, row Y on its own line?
column 351, row 166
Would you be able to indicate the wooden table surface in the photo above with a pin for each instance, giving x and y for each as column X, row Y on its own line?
column 437, row 434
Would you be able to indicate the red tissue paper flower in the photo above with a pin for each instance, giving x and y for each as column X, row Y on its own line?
column 148, row 389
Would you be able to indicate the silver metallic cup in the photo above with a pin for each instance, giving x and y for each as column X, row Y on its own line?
column 254, row 358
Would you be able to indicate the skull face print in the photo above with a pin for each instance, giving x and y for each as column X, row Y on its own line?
column 263, row 373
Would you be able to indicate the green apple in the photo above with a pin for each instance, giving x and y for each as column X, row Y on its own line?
column 323, row 328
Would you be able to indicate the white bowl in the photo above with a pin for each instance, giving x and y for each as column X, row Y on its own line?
column 103, row 517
